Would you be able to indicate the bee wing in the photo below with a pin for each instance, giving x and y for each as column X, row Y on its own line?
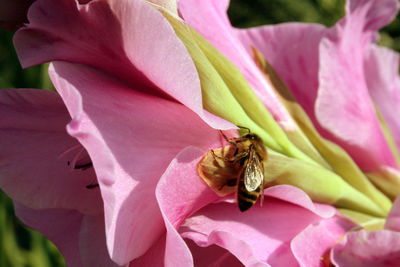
column 253, row 172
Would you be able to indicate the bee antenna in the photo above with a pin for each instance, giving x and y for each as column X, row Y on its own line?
column 245, row 128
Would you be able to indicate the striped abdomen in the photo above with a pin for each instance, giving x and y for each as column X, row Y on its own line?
column 246, row 199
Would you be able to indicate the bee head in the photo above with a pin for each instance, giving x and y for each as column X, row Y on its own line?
column 251, row 136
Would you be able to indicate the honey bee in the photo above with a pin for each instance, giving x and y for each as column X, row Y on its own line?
column 241, row 166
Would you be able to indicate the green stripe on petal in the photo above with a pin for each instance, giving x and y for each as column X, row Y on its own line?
column 320, row 168
column 320, row 184
column 296, row 135
column 388, row 136
column 227, row 94
column 337, row 159
column 367, row 222
column 217, row 98
column 246, row 97
column 340, row 162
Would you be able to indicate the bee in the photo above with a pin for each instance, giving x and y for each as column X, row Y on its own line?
column 240, row 165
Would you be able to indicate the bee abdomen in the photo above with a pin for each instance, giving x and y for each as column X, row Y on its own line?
column 246, row 199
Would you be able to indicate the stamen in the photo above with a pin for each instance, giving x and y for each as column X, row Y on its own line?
column 83, row 166
column 75, row 159
column 74, row 165
column 69, row 150
column 92, row 186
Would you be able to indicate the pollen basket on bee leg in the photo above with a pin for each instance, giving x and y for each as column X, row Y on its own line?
column 218, row 172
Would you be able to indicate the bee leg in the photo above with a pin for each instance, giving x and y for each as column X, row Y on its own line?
column 262, row 188
column 230, row 141
column 215, row 156
column 230, row 183
column 234, row 159
column 240, row 156
column 262, row 193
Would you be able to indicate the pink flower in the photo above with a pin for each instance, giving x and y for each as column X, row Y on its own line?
column 376, row 248
column 130, row 96
column 130, row 127
column 339, row 75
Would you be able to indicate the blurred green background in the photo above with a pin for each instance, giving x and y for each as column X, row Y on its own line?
column 23, row 247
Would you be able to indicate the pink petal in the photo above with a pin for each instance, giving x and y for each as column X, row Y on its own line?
column 92, row 242
column 296, row 52
column 128, row 39
column 292, row 49
column 34, row 168
column 154, row 256
column 393, row 219
column 169, row 5
column 209, row 18
column 247, row 235
column 180, row 192
column 379, row 13
column 368, row 249
column 60, row 226
column 80, row 238
column 202, row 256
column 381, row 71
column 296, row 196
column 242, row 250
column 343, row 106
column 314, row 243
column 131, row 138
column 212, row 256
